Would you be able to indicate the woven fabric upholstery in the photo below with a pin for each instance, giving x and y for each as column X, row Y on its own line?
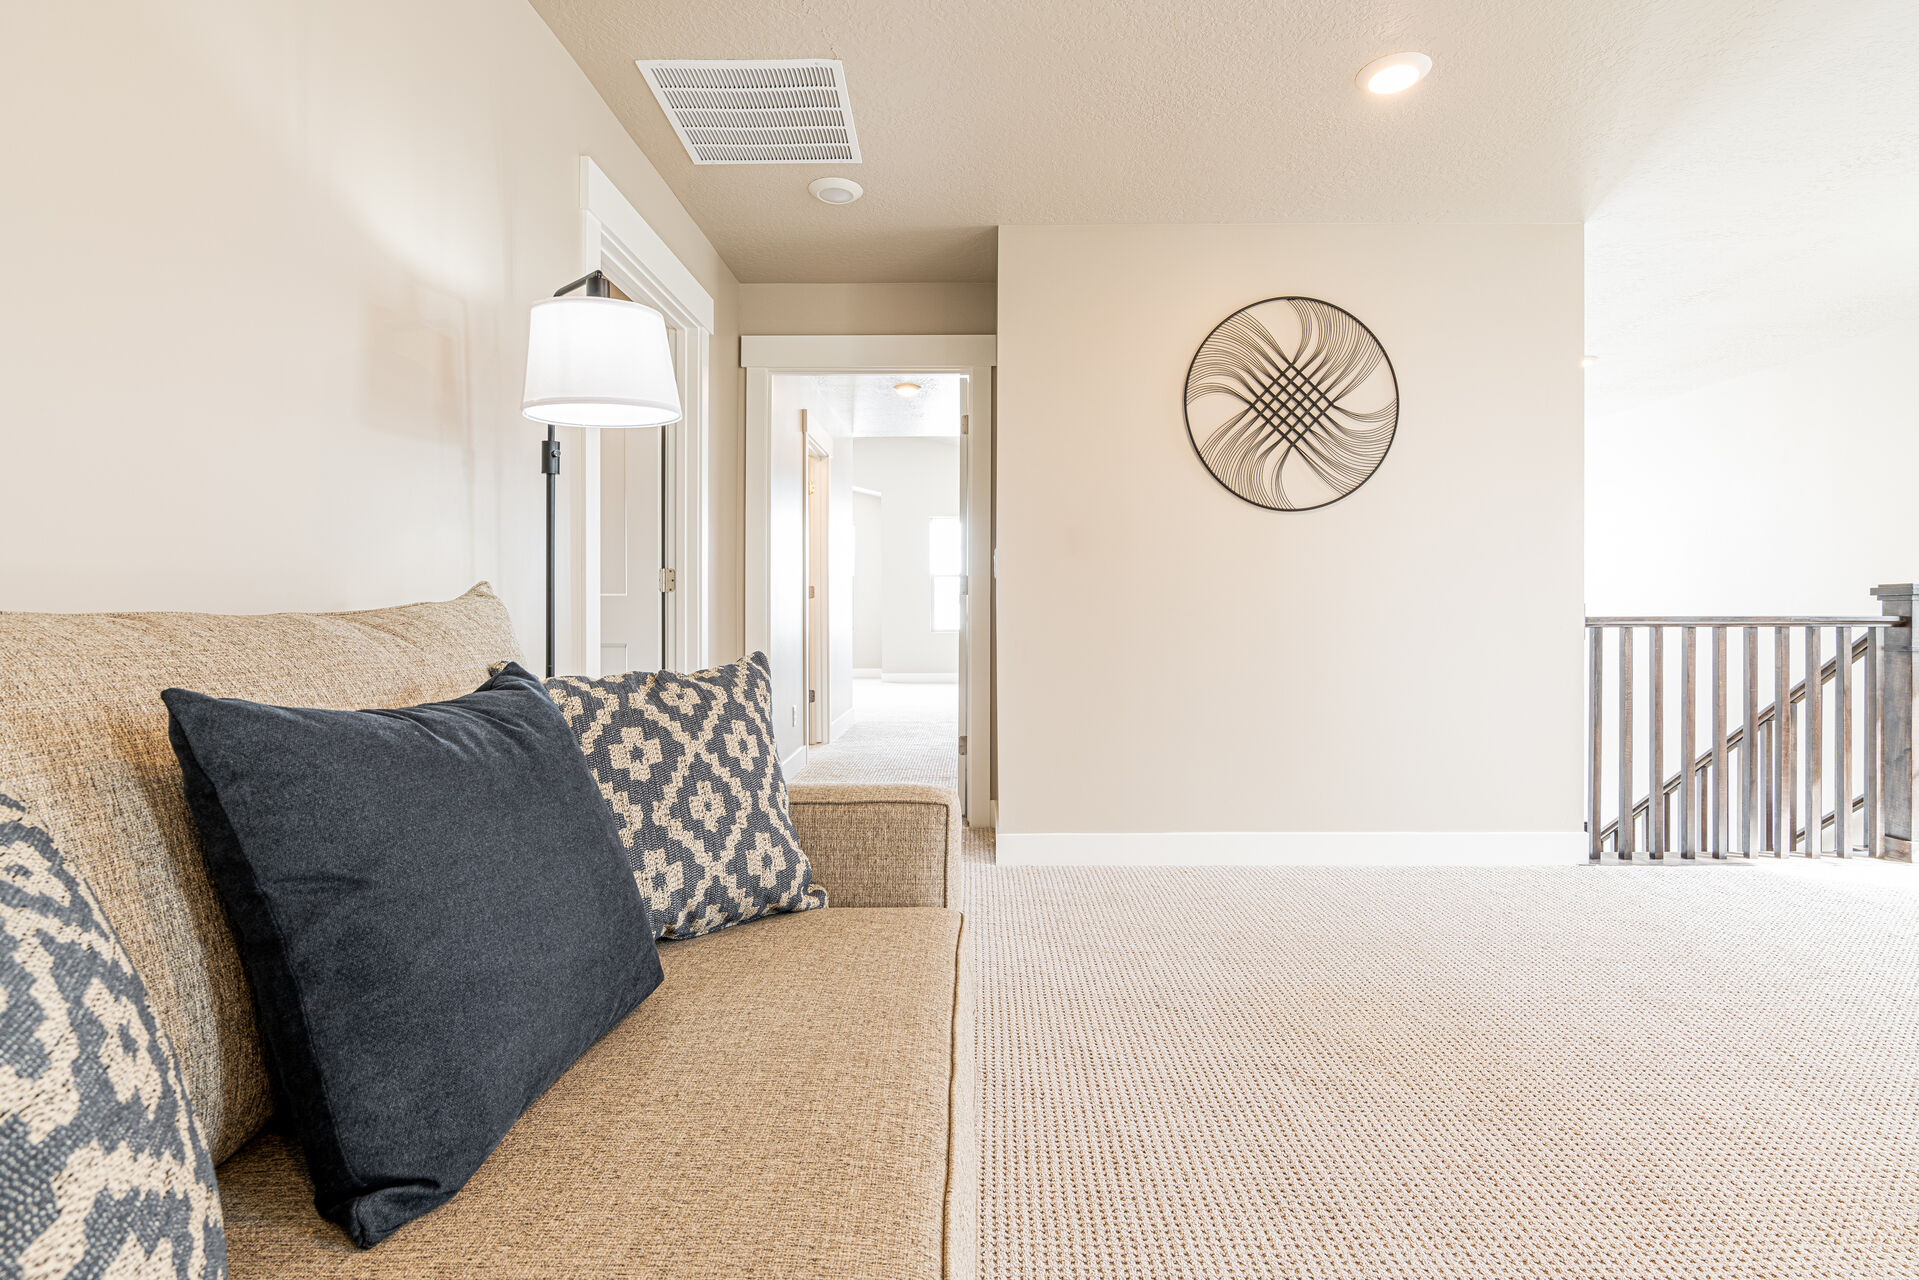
column 690, row 768
column 880, row 844
column 83, row 740
column 785, row 1105
column 102, row 1169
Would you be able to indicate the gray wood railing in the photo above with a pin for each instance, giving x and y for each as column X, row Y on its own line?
column 1761, row 784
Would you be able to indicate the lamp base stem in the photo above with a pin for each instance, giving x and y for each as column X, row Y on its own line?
column 550, row 467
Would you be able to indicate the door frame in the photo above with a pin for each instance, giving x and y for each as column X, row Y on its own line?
column 614, row 238
column 973, row 355
column 817, row 503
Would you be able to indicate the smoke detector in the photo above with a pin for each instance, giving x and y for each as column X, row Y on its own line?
column 835, row 190
column 790, row 111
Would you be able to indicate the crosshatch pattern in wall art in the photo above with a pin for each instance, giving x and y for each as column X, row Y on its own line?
column 1291, row 403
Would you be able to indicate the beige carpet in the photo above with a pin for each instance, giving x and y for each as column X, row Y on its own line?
column 902, row 732
column 1630, row 1073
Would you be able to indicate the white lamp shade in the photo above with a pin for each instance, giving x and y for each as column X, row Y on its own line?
column 599, row 362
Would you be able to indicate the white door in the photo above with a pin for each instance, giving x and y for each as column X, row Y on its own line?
column 632, row 551
column 966, row 579
column 818, row 586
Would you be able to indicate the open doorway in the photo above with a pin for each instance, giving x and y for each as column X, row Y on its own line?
column 900, row 552
column 909, row 570
column 882, row 608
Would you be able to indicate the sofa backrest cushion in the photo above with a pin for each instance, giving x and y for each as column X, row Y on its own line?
column 83, row 742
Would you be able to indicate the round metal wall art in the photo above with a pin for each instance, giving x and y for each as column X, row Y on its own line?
column 1291, row 403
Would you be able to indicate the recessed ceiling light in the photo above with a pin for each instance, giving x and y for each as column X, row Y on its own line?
column 1587, row 362
column 1394, row 72
column 907, row 390
column 836, row 190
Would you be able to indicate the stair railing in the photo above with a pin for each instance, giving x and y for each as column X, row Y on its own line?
column 1782, row 761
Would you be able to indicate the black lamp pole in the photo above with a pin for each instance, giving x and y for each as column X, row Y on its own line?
column 595, row 285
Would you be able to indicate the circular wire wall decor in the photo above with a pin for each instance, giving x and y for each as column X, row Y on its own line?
column 1291, row 403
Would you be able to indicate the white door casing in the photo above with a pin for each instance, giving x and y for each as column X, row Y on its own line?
column 617, row 240
column 971, row 355
column 819, row 589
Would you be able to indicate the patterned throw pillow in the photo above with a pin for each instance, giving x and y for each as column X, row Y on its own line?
column 102, row 1168
column 689, row 765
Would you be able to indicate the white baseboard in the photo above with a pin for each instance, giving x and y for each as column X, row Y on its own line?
column 1292, row 848
column 867, row 673
column 921, row 677
column 794, row 763
column 840, row 725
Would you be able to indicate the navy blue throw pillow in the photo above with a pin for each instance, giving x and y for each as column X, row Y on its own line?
column 436, row 917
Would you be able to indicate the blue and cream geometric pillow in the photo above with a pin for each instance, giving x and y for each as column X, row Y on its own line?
column 689, row 766
column 102, row 1168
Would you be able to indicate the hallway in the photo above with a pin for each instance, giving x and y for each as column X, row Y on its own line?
column 902, row 732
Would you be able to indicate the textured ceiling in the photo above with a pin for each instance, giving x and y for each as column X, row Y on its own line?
column 866, row 404
column 1747, row 167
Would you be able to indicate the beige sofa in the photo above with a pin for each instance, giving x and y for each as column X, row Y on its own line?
column 794, row 1101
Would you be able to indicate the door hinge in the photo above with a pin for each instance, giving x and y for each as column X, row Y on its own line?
column 668, row 579
column 811, row 592
column 812, row 695
column 966, row 423
column 962, row 744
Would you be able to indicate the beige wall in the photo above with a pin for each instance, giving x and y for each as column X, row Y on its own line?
column 1788, row 489
column 867, row 308
column 268, row 265
column 1172, row 658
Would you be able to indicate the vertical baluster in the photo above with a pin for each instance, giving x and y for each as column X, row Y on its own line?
column 1750, row 759
column 1782, row 775
column 1595, row 737
column 1625, row 841
column 1688, row 700
column 1766, row 736
column 1841, row 740
column 1815, row 728
column 1656, row 751
column 1719, row 796
column 1875, row 795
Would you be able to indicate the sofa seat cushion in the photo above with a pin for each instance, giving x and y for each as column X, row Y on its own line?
column 783, row 1106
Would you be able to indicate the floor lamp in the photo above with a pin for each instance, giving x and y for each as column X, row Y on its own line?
column 592, row 361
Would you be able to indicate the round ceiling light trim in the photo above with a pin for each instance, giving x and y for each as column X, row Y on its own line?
column 835, row 190
column 1394, row 73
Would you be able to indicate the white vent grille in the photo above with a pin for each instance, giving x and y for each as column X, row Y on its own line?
column 788, row 112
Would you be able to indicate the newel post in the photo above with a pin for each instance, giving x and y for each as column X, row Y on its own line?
column 1899, row 719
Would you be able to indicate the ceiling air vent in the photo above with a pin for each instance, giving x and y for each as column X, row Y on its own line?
column 784, row 112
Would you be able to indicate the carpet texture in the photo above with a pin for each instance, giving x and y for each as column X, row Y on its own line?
column 901, row 732
column 1632, row 1073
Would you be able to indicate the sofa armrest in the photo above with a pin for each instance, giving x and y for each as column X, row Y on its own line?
column 885, row 845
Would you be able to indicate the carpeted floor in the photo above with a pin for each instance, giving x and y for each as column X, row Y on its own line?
column 1629, row 1073
column 902, row 732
